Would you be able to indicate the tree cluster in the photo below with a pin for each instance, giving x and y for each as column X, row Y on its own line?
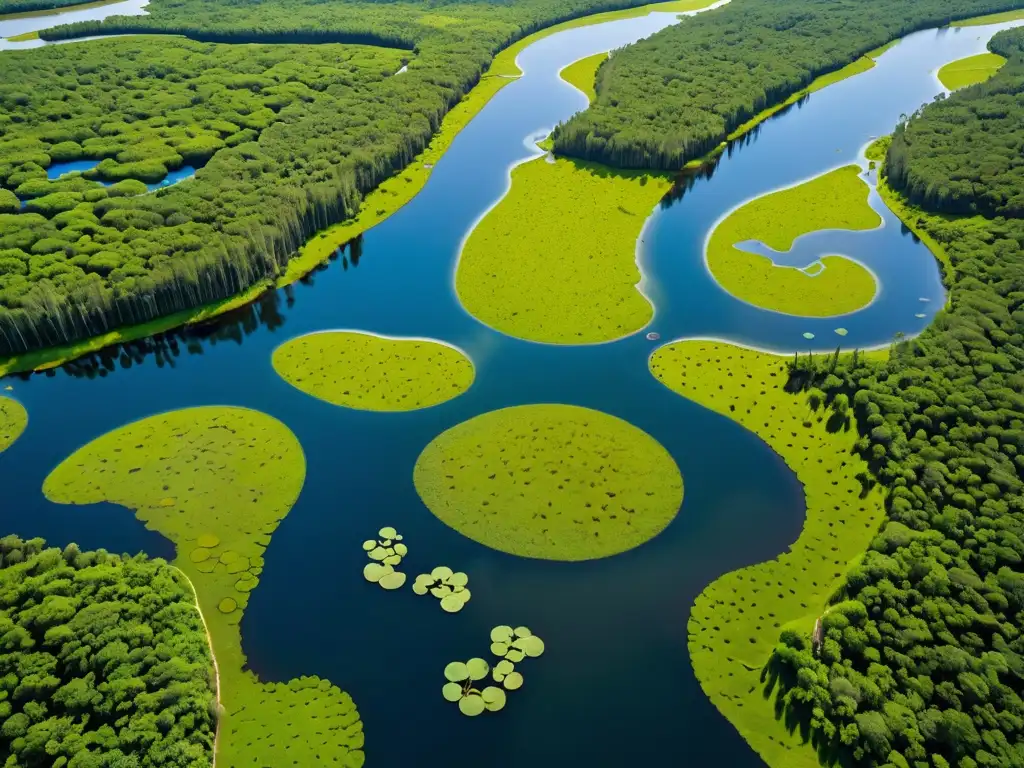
column 921, row 662
column 678, row 94
column 103, row 662
column 963, row 155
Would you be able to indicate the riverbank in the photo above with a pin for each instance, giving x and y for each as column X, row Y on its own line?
column 970, row 71
column 835, row 200
column 736, row 621
column 582, row 75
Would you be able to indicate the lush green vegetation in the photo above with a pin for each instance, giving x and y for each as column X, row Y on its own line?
column 963, row 155
column 13, row 419
column 104, row 661
column 835, row 200
column 921, row 658
column 216, row 481
column 678, row 94
column 374, row 373
column 729, row 647
column 582, row 74
column 970, row 71
column 555, row 260
column 10, row 8
column 991, row 18
column 557, row 482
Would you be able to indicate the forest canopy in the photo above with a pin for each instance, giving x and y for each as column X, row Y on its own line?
column 103, row 662
column 921, row 659
column 676, row 95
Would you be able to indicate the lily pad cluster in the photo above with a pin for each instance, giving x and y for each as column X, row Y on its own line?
column 385, row 553
column 512, row 645
column 446, row 585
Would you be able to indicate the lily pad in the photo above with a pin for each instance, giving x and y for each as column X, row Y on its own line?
column 442, row 573
column 472, row 705
column 456, row 672
column 374, row 572
column 501, row 634
column 392, row 560
column 522, row 632
column 494, row 698
column 387, row 532
column 199, row 554
column 228, row 557
column 227, row 605
column 378, row 553
column 441, row 592
column 452, row 692
column 369, row 545
column 419, row 588
column 842, row 331
column 393, row 580
column 458, row 579
column 532, row 646
column 208, row 540
column 452, row 603
column 477, row 668
column 515, row 655
column 513, row 681
column 808, row 335
column 401, row 549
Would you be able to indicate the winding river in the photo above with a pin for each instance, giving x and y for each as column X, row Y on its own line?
column 615, row 686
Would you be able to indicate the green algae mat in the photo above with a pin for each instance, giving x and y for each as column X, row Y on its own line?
column 970, row 71
column 374, row 373
column 736, row 621
column 835, row 200
column 216, row 481
column 13, row 420
column 555, row 260
column 556, row 482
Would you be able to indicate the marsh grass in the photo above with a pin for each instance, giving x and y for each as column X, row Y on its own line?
column 555, row 260
column 373, row 373
column 216, row 481
column 13, row 420
column 835, row 200
column 582, row 74
column 970, row 71
column 556, row 482
column 736, row 621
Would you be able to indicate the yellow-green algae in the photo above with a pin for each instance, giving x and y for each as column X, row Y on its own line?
column 374, row 373
column 216, row 481
column 13, row 419
column 970, row 71
column 736, row 621
column 835, row 200
column 555, row 260
column 582, row 74
column 556, row 482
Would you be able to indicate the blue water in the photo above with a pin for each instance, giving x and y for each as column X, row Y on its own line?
column 11, row 27
column 59, row 170
column 615, row 687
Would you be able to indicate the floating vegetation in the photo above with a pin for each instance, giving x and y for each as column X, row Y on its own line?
column 557, row 482
column 446, row 585
column 13, row 419
column 808, row 335
column 841, row 331
column 385, row 555
column 512, row 645
column 373, row 373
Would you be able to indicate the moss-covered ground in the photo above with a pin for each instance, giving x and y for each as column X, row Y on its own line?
column 13, row 420
column 216, row 481
column 736, row 621
column 835, row 200
column 557, row 482
column 555, row 260
column 582, row 74
column 970, row 71
column 374, row 373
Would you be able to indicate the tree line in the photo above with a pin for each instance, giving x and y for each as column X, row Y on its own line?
column 921, row 658
column 678, row 94
column 103, row 662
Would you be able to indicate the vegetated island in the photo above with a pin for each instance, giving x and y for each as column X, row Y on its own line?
column 13, row 420
column 735, row 622
column 571, row 276
column 251, row 228
column 105, row 661
column 835, row 200
column 374, row 373
column 220, row 512
column 556, row 482
column 970, row 71
column 582, row 74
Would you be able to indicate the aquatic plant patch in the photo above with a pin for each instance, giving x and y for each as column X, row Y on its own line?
column 970, row 71
column 555, row 260
column 736, row 621
column 374, row 373
column 835, row 200
column 385, row 553
column 448, row 586
column 216, row 481
column 512, row 645
column 13, row 420
column 557, row 482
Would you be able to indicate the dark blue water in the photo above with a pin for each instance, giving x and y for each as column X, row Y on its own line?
column 615, row 686
column 57, row 170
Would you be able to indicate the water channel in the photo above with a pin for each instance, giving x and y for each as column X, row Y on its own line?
column 615, row 686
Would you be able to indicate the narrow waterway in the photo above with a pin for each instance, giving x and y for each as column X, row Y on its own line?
column 20, row 24
column 615, row 686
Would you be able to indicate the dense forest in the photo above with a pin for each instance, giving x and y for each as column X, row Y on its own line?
column 676, row 95
column 104, row 662
column 963, row 155
column 290, row 141
column 28, row 6
column 921, row 661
